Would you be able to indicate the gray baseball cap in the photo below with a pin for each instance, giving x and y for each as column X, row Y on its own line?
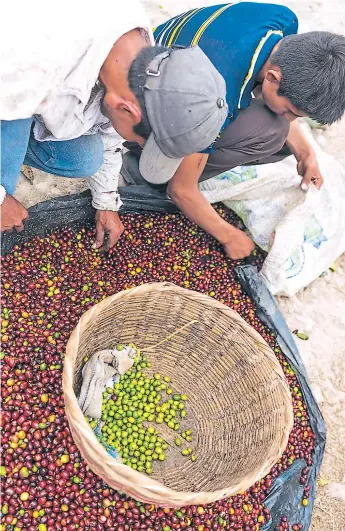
column 185, row 98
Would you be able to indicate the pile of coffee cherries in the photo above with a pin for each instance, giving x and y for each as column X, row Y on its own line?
column 47, row 284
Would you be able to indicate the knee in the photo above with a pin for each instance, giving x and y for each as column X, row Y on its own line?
column 91, row 156
column 275, row 132
column 279, row 134
column 14, row 138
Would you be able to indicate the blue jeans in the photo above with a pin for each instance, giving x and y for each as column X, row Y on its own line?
column 81, row 157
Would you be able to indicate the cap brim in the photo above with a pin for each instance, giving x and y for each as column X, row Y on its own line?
column 154, row 165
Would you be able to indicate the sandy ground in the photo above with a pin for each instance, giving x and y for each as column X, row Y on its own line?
column 318, row 310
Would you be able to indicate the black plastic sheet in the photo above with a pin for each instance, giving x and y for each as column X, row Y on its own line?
column 286, row 494
column 77, row 210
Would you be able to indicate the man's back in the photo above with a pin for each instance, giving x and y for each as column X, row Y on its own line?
column 237, row 38
column 50, row 59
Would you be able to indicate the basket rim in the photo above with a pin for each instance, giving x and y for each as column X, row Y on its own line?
column 129, row 477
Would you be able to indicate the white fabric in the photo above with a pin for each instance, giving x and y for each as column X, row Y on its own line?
column 2, row 194
column 303, row 232
column 50, row 63
column 99, row 372
column 104, row 183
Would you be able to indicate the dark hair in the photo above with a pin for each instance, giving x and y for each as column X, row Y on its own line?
column 313, row 74
column 136, row 80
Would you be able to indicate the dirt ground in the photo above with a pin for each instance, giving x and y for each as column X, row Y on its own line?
column 318, row 310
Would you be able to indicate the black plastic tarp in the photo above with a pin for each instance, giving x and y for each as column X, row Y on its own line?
column 77, row 210
column 286, row 495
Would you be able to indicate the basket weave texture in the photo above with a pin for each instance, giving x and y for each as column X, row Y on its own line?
column 239, row 407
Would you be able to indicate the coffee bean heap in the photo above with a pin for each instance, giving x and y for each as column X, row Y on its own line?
column 47, row 284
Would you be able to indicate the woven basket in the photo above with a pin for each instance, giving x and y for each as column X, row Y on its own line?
column 239, row 406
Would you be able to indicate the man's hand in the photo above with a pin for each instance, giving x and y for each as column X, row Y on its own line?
column 12, row 214
column 239, row 246
column 309, row 169
column 107, row 223
column 183, row 190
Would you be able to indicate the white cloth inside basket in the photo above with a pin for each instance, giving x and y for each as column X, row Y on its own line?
column 100, row 371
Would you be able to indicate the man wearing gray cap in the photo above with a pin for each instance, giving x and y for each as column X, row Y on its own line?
column 67, row 100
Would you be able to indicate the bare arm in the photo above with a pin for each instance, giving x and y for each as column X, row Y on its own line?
column 297, row 142
column 183, row 190
column 307, row 165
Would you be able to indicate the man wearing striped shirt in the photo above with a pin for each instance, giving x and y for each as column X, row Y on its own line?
column 256, row 49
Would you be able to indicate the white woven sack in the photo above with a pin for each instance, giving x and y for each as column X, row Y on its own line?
column 304, row 233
